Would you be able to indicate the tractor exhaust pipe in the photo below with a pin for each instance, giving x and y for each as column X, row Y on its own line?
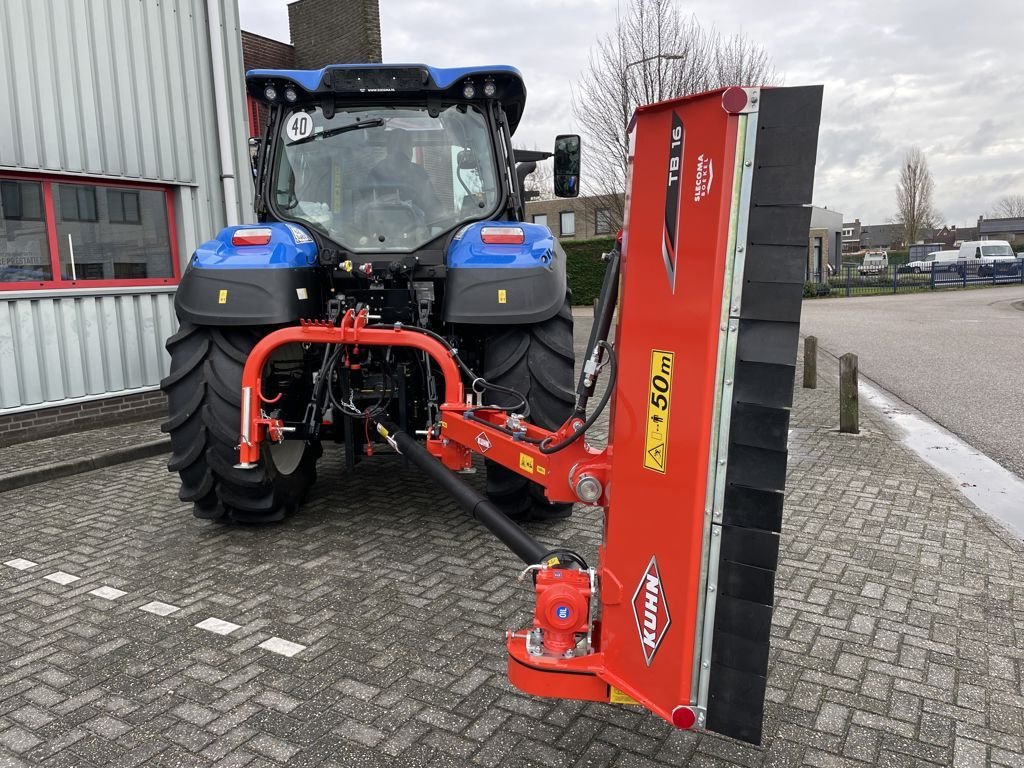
column 522, row 544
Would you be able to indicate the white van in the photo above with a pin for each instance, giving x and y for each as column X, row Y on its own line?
column 982, row 254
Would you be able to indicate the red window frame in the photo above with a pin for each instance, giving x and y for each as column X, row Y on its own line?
column 47, row 181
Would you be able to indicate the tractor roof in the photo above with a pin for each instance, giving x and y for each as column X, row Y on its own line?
column 367, row 81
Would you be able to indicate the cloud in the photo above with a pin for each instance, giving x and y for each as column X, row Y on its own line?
column 896, row 72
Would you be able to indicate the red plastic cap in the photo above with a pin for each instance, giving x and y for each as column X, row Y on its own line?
column 503, row 235
column 734, row 100
column 251, row 236
column 683, row 717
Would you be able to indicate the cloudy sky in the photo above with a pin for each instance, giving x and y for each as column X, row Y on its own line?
column 943, row 74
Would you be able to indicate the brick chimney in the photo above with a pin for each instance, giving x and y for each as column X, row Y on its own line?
column 327, row 32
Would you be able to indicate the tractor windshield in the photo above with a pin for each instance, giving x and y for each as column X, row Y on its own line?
column 385, row 178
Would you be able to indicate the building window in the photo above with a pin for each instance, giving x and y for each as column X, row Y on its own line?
column 24, row 248
column 567, row 223
column 602, row 222
column 59, row 234
column 541, row 219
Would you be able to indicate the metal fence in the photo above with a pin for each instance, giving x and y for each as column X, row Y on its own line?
column 855, row 280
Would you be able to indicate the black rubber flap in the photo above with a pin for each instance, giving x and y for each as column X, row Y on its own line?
column 744, row 618
column 777, row 263
column 750, row 546
column 764, row 383
column 753, row 508
column 756, row 467
column 768, row 342
column 780, row 225
column 736, row 703
column 741, row 654
column 759, row 426
column 769, row 327
column 772, row 301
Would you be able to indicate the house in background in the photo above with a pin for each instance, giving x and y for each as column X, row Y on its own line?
column 824, row 241
column 851, row 236
column 578, row 217
column 882, row 236
column 1011, row 229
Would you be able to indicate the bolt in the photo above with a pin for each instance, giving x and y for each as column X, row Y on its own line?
column 728, row 382
column 722, row 462
column 706, row 665
column 740, row 248
column 748, row 163
column 716, row 532
column 711, row 587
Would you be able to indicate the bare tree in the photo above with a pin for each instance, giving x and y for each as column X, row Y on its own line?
column 1008, row 206
column 914, row 207
column 653, row 54
column 542, row 180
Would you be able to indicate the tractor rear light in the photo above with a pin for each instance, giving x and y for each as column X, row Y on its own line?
column 489, row 88
column 290, row 94
column 503, row 235
column 257, row 236
column 469, row 90
column 270, row 93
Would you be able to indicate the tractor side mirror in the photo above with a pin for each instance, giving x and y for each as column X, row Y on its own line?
column 567, row 165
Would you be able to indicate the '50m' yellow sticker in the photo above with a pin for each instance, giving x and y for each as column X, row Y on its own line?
column 658, row 403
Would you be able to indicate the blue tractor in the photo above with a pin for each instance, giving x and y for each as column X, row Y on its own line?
column 394, row 189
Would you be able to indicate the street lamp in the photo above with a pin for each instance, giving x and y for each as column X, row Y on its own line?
column 625, row 69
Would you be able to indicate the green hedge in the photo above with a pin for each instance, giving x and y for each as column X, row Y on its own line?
column 585, row 268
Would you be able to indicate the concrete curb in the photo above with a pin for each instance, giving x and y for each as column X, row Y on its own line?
column 84, row 464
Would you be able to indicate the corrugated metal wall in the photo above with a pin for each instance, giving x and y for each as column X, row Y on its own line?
column 76, row 345
column 114, row 89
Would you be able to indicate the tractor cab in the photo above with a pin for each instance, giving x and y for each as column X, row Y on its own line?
column 389, row 160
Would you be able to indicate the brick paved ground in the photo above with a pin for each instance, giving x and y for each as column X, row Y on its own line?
column 14, row 458
column 899, row 635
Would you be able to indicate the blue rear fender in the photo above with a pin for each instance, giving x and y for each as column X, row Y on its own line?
column 271, row 283
column 504, row 283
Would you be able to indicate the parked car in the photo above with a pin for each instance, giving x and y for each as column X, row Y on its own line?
column 874, row 263
column 982, row 257
column 926, row 263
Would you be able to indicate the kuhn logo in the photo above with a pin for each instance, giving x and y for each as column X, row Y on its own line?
column 483, row 443
column 650, row 608
column 703, row 178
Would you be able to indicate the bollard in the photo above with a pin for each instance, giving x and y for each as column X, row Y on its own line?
column 811, row 362
column 849, row 408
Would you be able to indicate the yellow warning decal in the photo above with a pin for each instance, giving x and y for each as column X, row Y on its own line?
column 615, row 696
column 222, row 296
column 502, row 296
column 526, row 463
column 658, row 404
column 541, row 470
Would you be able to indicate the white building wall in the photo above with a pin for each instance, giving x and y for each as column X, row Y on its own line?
column 120, row 90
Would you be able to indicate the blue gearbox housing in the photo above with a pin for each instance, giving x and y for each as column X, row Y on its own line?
column 504, row 283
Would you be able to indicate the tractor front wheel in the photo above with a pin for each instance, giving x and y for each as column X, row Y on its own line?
column 204, row 398
column 536, row 361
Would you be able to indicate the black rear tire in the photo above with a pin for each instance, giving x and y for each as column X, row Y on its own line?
column 204, row 399
column 536, row 361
